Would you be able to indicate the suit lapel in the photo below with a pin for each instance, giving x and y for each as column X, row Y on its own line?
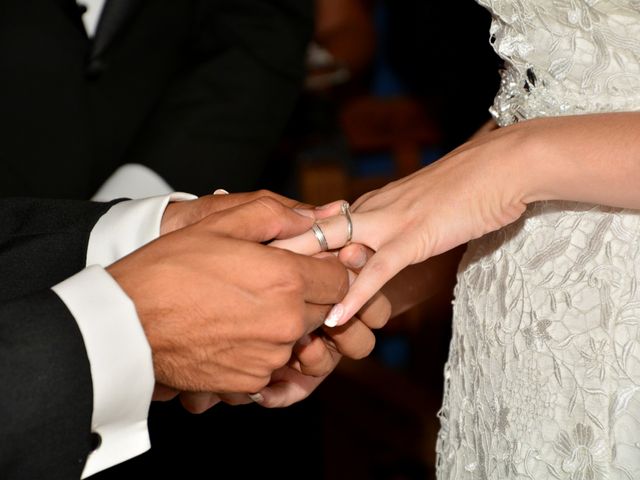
column 70, row 7
column 115, row 15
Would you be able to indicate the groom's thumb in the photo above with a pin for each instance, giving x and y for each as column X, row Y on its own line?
column 260, row 220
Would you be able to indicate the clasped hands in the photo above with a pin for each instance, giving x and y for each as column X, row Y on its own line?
column 226, row 312
column 230, row 318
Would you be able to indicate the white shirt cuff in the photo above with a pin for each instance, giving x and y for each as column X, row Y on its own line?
column 132, row 180
column 120, row 361
column 118, row 351
column 127, row 226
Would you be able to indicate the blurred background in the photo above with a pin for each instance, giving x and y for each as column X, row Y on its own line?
column 391, row 85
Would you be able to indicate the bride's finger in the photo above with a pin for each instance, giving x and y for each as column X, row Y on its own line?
column 334, row 230
column 329, row 210
column 381, row 268
column 286, row 388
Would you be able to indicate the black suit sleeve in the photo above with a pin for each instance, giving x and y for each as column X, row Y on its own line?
column 42, row 242
column 46, row 400
column 217, row 123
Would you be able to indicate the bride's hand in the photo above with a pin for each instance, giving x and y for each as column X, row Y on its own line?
column 471, row 191
column 466, row 194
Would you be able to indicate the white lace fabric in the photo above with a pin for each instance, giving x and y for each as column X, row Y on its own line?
column 566, row 57
column 543, row 376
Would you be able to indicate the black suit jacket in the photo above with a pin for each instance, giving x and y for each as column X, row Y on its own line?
column 46, row 398
column 198, row 90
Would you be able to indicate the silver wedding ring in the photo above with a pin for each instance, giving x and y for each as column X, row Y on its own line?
column 346, row 211
column 322, row 240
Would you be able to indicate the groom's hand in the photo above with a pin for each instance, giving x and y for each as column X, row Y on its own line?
column 178, row 215
column 316, row 359
column 221, row 311
column 181, row 214
column 316, row 356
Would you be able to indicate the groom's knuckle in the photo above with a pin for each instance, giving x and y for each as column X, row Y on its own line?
column 280, row 358
column 312, row 356
column 318, row 369
column 335, row 273
column 292, row 282
column 273, row 215
column 256, row 383
column 291, row 328
column 271, row 206
column 376, row 313
column 264, row 193
column 364, row 347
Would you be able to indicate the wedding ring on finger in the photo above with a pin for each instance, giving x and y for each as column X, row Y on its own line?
column 328, row 233
column 319, row 234
column 345, row 210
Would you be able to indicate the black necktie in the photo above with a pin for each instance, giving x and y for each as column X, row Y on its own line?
column 114, row 16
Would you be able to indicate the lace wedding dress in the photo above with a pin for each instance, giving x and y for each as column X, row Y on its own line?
column 543, row 378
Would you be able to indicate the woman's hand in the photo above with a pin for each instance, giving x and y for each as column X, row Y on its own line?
column 475, row 189
column 486, row 184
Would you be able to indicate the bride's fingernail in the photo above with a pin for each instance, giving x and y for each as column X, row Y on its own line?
column 334, row 316
column 221, row 191
column 256, row 397
column 305, row 212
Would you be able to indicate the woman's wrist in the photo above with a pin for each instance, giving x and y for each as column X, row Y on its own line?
column 583, row 158
column 530, row 162
column 505, row 157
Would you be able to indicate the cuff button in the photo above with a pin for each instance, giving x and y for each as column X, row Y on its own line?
column 96, row 441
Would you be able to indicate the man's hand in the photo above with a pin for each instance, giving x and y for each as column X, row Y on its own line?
column 315, row 356
column 181, row 214
column 316, row 359
column 221, row 311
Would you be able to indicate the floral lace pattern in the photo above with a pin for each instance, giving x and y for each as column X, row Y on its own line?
column 543, row 376
column 565, row 56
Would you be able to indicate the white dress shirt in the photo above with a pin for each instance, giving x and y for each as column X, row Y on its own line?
column 118, row 351
column 91, row 17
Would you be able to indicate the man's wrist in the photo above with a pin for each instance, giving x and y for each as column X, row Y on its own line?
column 173, row 218
column 120, row 361
column 128, row 226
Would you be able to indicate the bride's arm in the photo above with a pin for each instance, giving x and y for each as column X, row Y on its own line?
column 417, row 283
column 588, row 158
column 489, row 126
column 486, row 184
